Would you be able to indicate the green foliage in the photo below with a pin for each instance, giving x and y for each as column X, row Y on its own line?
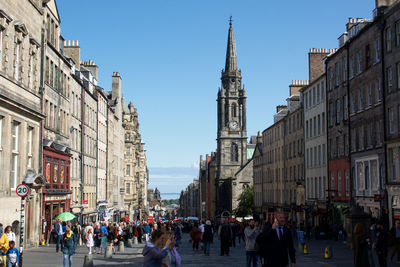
column 170, row 201
column 245, row 206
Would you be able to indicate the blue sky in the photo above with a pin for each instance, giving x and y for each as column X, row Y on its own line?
column 170, row 54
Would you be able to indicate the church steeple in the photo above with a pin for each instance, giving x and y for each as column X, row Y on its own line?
column 231, row 59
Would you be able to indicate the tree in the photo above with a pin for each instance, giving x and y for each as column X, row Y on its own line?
column 245, row 206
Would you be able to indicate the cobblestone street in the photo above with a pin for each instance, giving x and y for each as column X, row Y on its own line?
column 342, row 257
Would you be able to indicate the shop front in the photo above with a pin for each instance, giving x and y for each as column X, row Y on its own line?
column 394, row 203
column 56, row 193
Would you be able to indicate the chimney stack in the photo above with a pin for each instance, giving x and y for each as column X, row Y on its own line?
column 116, row 93
column 73, row 51
column 315, row 62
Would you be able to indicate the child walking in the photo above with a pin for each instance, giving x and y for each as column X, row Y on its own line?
column 89, row 240
column 103, row 243
column 12, row 255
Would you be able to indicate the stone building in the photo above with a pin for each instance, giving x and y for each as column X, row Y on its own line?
column 102, row 148
column 231, row 153
column 390, row 92
column 20, row 111
column 136, row 177
column 271, row 164
column 88, row 76
column 338, row 132
column 366, row 114
column 293, row 177
column 189, row 200
column 75, row 134
column 56, row 106
column 115, row 153
column 258, row 177
column 314, row 103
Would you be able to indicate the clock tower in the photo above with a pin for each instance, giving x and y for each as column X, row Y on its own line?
column 232, row 134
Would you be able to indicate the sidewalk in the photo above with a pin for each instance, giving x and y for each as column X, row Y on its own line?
column 341, row 255
column 46, row 256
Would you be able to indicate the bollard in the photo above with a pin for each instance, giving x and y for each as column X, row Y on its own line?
column 121, row 247
column 129, row 243
column 108, row 253
column 305, row 250
column 135, row 241
column 88, row 262
column 328, row 252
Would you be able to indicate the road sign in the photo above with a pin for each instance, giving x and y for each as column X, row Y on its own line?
column 22, row 190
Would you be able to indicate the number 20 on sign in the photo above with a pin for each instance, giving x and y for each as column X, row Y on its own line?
column 22, row 190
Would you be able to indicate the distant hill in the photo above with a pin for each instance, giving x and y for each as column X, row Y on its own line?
column 170, row 201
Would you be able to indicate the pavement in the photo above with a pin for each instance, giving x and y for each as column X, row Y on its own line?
column 131, row 257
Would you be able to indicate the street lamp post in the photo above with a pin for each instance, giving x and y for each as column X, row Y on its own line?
column 33, row 181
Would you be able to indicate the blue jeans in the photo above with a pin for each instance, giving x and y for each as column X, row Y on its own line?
column 206, row 245
column 251, row 256
column 59, row 242
column 67, row 258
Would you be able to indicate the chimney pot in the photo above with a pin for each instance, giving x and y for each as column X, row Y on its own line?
column 77, row 43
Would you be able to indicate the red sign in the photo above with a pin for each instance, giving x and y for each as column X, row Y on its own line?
column 150, row 219
column 85, row 204
column 397, row 216
column 377, row 198
column 22, row 190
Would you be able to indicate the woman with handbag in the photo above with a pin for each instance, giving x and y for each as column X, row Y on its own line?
column 112, row 237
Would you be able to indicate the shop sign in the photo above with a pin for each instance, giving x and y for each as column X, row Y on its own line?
column 377, row 198
column 85, row 204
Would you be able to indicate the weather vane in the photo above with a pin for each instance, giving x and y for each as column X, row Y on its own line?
column 230, row 21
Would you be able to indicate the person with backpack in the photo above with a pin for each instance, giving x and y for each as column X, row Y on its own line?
column 207, row 237
column 76, row 229
column 225, row 236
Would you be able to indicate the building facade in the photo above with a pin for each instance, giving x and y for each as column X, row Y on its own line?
column 20, row 111
column 56, row 106
column 231, row 152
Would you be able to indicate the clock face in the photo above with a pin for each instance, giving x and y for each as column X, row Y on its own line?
column 233, row 125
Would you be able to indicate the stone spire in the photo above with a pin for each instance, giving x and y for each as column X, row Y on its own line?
column 231, row 59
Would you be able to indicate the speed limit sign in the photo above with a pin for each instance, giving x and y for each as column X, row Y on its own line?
column 22, row 190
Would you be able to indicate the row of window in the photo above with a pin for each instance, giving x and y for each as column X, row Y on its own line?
column 56, row 78
column 57, row 119
column 90, row 145
column 315, row 126
column 394, row 163
column 316, row 187
column 315, row 156
column 293, row 123
column 18, row 62
column 315, row 95
column 366, row 136
column 76, row 105
column 367, row 177
column 338, row 73
column 15, row 149
column 273, row 135
column 52, row 31
column 338, row 146
column 56, row 172
column 392, row 124
column 337, row 185
column 90, row 116
column 90, row 174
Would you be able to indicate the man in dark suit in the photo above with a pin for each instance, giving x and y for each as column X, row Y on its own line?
column 280, row 244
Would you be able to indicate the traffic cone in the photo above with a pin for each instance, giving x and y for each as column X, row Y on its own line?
column 305, row 251
column 328, row 253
